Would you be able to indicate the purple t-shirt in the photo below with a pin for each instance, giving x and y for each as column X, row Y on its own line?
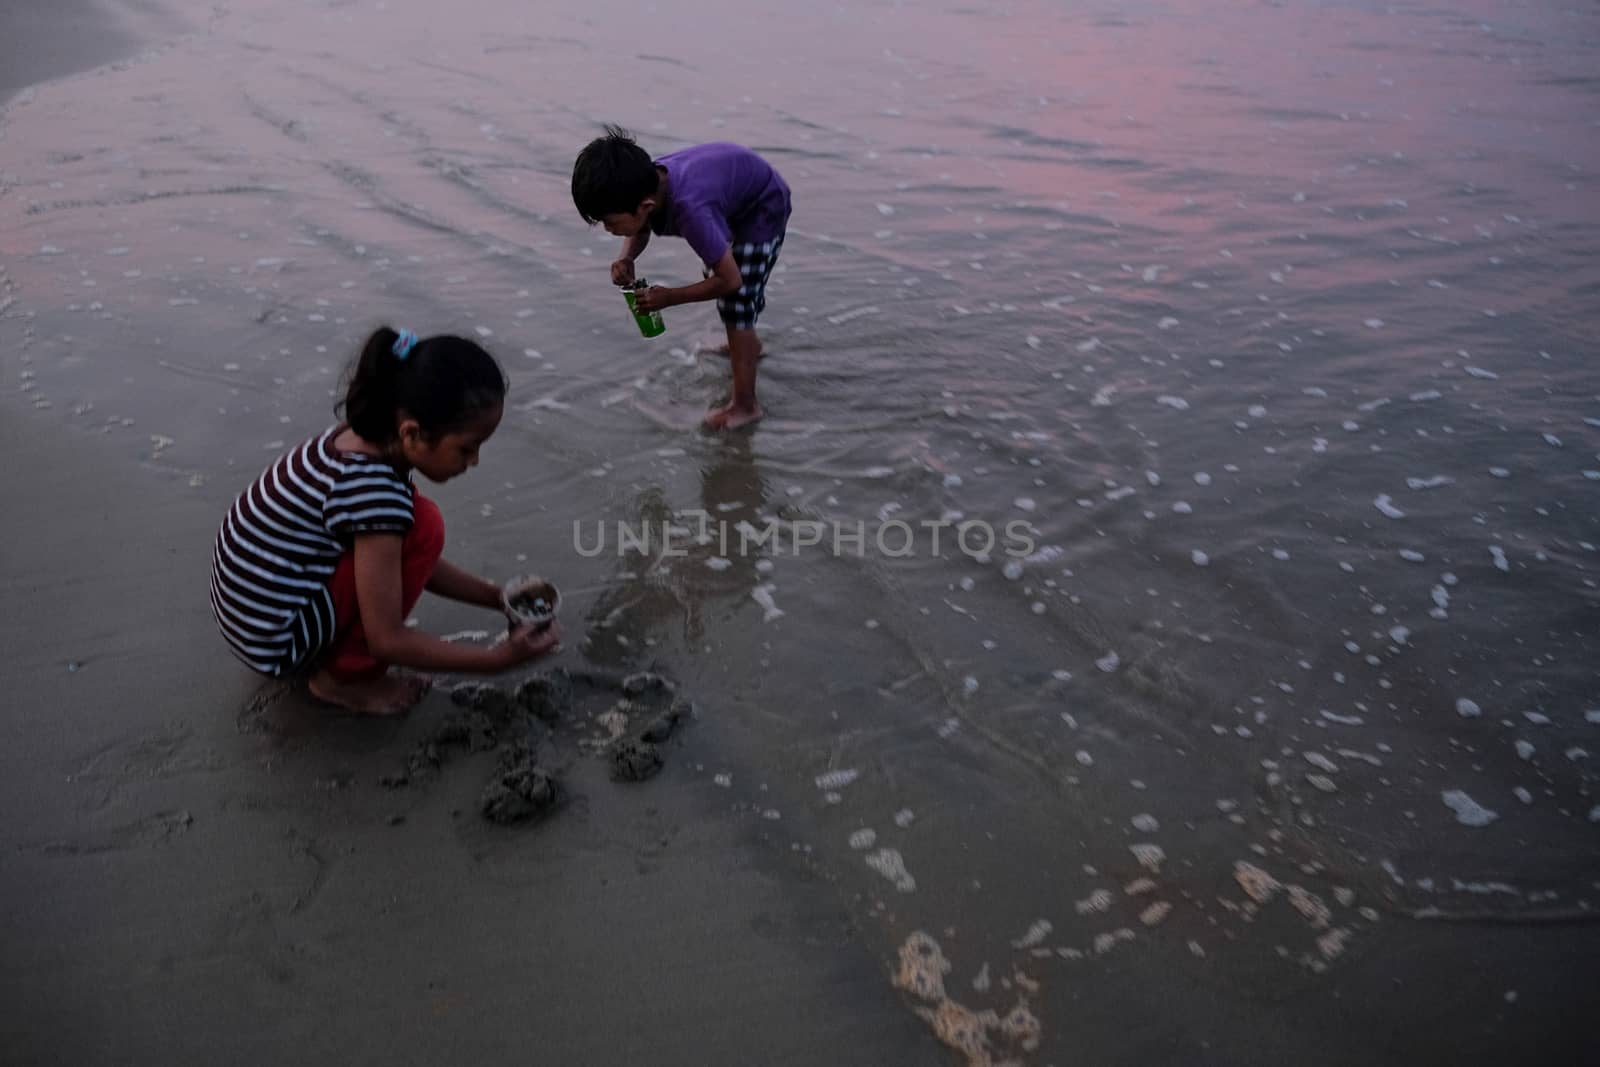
column 720, row 193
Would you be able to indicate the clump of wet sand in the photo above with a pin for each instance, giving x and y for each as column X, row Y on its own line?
column 519, row 789
column 534, row 718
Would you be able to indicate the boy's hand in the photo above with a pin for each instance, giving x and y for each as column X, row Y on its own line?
column 529, row 641
column 622, row 272
column 654, row 298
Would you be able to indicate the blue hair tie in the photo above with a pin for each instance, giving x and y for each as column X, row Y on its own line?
column 403, row 344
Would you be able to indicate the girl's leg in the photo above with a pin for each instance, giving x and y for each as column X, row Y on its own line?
column 350, row 676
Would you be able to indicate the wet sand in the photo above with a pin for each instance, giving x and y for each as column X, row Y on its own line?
column 187, row 882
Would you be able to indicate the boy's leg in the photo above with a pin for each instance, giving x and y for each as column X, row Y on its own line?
column 739, row 312
column 350, row 676
column 744, row 350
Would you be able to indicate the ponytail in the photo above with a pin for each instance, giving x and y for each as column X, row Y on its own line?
column 442, row 382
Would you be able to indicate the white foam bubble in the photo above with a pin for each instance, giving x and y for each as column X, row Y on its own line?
column 1035, row 935
column 889, row 863
column 762, row 594
column 1150, row 856
column 837, row 779
column 1098, row 901
column 1468, row 811
column 1385, row 504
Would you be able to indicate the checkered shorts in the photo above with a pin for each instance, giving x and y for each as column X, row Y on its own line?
column 740, row 310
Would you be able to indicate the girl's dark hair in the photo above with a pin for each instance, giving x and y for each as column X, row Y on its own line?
column 443, row 382
column 612, row 176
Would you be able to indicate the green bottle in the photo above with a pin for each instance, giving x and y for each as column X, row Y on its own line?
column 649, row 324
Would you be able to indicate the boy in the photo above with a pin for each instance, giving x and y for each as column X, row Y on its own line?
column 732, row 208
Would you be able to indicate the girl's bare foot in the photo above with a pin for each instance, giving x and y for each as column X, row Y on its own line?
column 419, row 684
column 384, row 695
column 732, row 417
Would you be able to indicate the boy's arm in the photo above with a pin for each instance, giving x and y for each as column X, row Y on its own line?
column 725, row 278
column 622, row 266
column 634, row 246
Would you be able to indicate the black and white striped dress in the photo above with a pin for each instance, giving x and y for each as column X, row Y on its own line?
column 282, row 541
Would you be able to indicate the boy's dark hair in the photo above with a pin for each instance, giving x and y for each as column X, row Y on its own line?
column 612, row 176
column 443, row 382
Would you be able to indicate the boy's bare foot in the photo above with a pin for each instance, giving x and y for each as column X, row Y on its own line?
column 732, row 417
column 384, row 695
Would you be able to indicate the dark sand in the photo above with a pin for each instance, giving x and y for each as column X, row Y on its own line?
column 45, row 39
column 187, row 883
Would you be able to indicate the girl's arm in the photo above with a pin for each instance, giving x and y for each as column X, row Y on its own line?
column 377, row 566
column 453, row 583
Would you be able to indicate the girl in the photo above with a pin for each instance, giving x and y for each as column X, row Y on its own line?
column 319, row 562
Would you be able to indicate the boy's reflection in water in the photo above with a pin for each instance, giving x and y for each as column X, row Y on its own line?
column 651, row 590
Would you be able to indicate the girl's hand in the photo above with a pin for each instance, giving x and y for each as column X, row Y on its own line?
column 654, row 298
column 622, row 272
column 528, row 641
